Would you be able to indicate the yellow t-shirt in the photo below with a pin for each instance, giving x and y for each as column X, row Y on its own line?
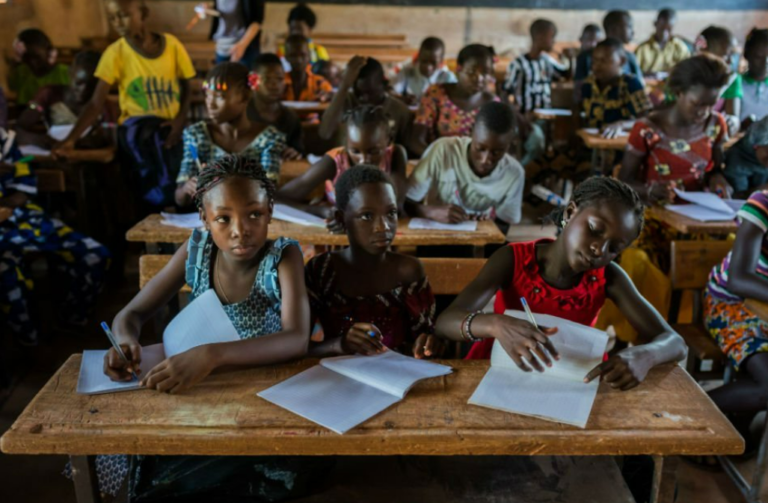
column 147, row 86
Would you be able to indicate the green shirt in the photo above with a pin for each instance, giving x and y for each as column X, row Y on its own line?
column 734, row 90
column 25, row 84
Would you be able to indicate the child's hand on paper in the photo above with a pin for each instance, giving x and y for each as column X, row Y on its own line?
column 720, row 186
column 521, row 340
column 611, row 131
column 180, row 372
column 114, row 366
column 364, row 339
column 428, row 346
column 624, row 370
column 662, row 192
column 448, row 214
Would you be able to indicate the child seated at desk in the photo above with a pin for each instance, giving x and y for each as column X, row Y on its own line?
column 364, row 83
column 57, row 105
column 608, row 96
column 393, row 308
column 426, row 69
column 38, row 66
column 268, row 83
column 451, row 109
column 663, row 50
column 475, row 177
column 259, row 281
column 739, row 332
column 151, row 71
column 25, row 229
column 300, row 83
column 301, row 21
column 529, row 76
column 570, row 277
column 227, row 94
column 618, row 24
column 720, row 42
column 369, row 141
column 590, row 36
column 746, row 162
column 754, row 83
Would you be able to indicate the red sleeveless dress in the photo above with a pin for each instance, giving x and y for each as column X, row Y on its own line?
column 580, row 304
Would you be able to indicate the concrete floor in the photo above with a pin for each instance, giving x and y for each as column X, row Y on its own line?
column 38, row 479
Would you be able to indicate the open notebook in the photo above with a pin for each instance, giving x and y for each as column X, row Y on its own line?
column 559, row 393
column 426, row 224
column 203, row 321
column 343, row 391
column 706, row 206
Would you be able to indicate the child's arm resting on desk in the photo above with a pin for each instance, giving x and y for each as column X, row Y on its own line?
column 519, row 338
column 182, row 371
column 627, row 368
column 87, row 117
column 128, row 322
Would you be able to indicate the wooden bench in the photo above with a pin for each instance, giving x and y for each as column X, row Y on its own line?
column 691, row 263
column 447, row 276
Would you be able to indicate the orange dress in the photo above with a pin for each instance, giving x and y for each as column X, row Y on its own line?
column 316, row 84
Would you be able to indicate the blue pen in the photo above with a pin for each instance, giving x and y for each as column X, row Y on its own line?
column 193, row 151
column 117, row 347
column 528, row 312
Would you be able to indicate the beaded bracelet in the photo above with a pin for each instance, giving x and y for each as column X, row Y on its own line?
column 466, row 332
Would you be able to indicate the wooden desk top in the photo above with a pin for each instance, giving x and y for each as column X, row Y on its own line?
column 667, row 415
column 759, row 308
column 315, row 108
column 150, row 230
column 598, row 142
column 687, row 225
column 101, row 155
column 292, row 169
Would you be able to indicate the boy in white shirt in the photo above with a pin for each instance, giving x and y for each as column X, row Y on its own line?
column 428, row 68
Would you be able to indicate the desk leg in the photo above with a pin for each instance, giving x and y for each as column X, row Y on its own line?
column 84, row 477
column 664, row 479
column 478, row 251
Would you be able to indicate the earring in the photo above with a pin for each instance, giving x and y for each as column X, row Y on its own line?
column 562, row 223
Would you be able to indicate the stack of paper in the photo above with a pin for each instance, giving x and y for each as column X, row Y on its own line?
column 423, row 223
column 559, row 393
column 706, row 207
column 34, row 150
column 596, row 132
column 291, row 214
column 184, row 220
column 203, row 321
column 344, row 391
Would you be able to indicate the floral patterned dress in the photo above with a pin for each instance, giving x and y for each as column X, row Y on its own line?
column 441, row 115
column 580, row 304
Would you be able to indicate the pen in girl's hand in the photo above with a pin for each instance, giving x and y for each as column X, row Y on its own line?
column 117, row 347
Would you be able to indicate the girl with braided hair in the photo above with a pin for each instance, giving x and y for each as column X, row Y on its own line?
column 570, row 277
column 368, row 141
column 228, row 131
column 259, row 281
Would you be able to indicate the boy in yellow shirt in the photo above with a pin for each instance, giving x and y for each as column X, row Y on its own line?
column 151, row 71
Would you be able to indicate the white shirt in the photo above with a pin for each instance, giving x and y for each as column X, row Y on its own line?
column 411, row 81
column 444, row 176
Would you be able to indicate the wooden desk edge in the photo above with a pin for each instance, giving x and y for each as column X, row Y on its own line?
column 316, row 439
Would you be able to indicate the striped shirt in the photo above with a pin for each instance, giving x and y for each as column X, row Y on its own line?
column 530, row 81
column 756, row 212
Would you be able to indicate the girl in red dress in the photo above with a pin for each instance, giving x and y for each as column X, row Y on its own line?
column 570, row 277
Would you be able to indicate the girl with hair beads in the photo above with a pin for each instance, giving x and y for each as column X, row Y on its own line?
column 393, row 307
column 450, row 109
column 229, row 131
column 368, row 142
column 570, row 277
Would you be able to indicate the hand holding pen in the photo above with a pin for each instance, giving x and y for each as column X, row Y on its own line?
column 364, row 339
column 122, row 362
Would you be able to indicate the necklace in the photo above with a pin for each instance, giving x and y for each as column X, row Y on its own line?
column 218, row 279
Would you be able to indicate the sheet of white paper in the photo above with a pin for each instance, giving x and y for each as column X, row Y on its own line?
column 556, row 112
column 290, row 214
column 312, row 158
column 538, row 395
column 700, row 213
column 203, row 321
column 298, row 105
column 596, row 132
column 34, row 150
column 185, row 220
column 581, row 347
column 390, row 371
column 60, row 132
column 708, row 200
column 423, row 223
column 329, row 399
column 93, row 381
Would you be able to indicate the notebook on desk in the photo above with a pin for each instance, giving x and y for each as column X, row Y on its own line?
column 344, row 391
column 706, row 206
column 559, row 393
column 203, row 321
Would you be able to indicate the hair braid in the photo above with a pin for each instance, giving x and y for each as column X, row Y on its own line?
column 229, row 166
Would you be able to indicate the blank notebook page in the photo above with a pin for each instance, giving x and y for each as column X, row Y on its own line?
column 329, row 399
column 203, row 321
column 93, row 381
column 390, row 371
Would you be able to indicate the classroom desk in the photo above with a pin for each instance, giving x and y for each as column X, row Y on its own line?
column 314, row 108
column 687, row 225
column 759, row 308
column 151, row 231
column 293, row 169
column 98, row 155
column 667, row 415
column 596, row 141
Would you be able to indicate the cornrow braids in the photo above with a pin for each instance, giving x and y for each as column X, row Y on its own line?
column 599, row 189
column 366, row 114
column 227, row 167
column 226, row 76
column 353, row 178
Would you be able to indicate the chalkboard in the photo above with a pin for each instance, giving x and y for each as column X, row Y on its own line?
column 565, row 4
